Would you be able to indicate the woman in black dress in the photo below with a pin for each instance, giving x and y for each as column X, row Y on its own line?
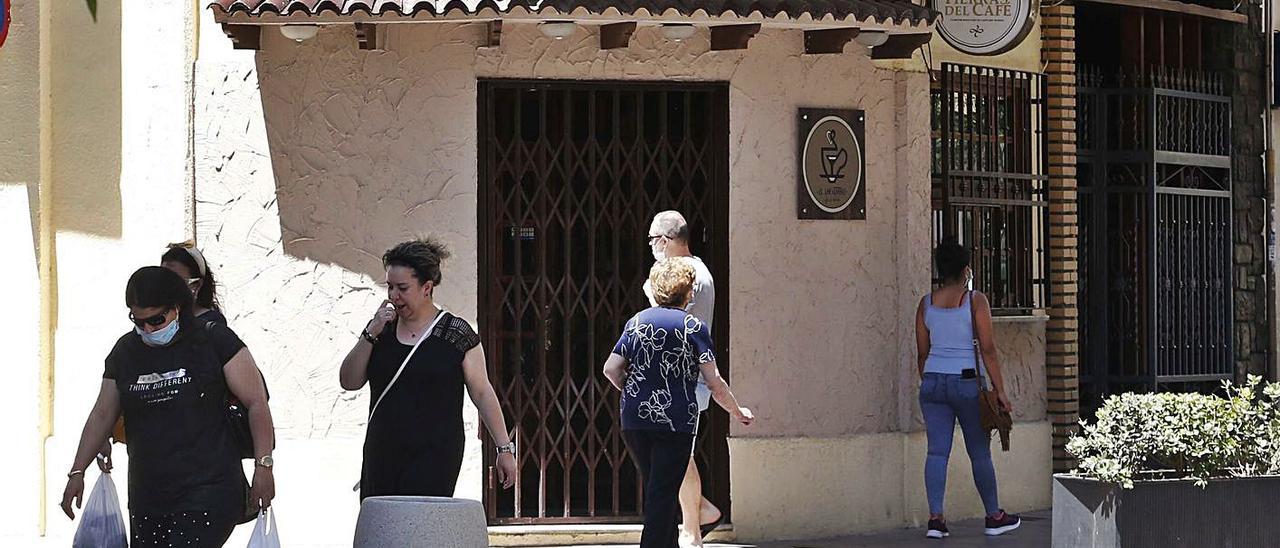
column 171, row 377
column 414, row 444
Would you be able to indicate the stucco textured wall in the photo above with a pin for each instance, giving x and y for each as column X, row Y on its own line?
column 362, row 149
column 1021, row 345
column 312, row 158
column 822, row 487
column 20, row 95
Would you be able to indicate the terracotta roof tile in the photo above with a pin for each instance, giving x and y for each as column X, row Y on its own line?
column 899, row 11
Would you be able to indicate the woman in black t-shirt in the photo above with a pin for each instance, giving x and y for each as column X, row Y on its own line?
column 414, row 443
column 185, row 260
column 170, row 377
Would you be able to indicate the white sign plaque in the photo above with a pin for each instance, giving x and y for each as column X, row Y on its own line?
column 984, row 27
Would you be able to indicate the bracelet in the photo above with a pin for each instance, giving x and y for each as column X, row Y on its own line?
column 75, row 473
column 366, row 335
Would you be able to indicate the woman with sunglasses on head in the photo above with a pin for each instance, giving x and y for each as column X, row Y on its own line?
column 186, row 260
column 170, row 377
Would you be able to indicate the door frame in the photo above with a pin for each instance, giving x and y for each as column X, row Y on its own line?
column 717, row 255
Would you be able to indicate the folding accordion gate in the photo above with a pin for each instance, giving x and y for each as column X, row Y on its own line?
column 571, row 173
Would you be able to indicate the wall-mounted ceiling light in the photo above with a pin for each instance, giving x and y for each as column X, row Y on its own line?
column 678, row 32
column 872, row 38
column 558, row 29
column 298, row 33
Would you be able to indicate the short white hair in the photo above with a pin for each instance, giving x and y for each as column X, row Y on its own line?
column 671, row 224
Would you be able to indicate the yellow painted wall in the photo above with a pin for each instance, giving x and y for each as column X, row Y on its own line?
column 20, row 220
column 94, row 180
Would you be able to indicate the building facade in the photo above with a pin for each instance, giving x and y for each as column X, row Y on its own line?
column 538, row 143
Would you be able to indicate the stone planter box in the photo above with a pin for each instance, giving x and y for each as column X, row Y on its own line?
column 1231, row 512
column 421, row 522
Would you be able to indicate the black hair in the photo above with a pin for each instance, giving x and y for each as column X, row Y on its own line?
column 423, row 256
column 951, row 259
column 207, row 296
column 159, row 287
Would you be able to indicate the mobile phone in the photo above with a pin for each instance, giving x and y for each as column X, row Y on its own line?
column 969, row 374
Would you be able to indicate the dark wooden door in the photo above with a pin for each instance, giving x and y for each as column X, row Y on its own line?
column 571, row 173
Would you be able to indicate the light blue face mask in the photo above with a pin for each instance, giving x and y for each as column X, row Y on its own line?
column 159, row 338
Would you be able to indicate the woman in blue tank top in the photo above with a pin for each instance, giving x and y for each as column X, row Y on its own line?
column 948, row 322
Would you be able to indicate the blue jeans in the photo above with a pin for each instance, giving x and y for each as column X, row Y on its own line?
column 944, row 399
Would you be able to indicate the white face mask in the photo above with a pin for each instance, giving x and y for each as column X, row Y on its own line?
column 159, row 338
column 659, row 254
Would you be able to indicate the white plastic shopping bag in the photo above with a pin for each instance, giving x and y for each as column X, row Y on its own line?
column 102, row 523
column 264, row 531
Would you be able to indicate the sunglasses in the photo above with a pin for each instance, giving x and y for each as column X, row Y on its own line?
column 654, row 239
column 153, row 321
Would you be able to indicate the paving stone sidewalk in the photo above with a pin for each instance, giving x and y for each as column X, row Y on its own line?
column 1034, row 533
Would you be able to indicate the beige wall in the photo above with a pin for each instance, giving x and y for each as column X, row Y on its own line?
column 20, row 91
column 362, row 149
column 20, row 165
column 822, row 487
column 312, row 158
column 96, row 126
column 86, row 198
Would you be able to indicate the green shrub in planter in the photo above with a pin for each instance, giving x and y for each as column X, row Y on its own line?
column 1170, row 435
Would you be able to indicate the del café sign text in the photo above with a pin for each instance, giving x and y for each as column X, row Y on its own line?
column 984, row 27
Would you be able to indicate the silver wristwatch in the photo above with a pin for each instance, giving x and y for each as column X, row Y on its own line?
column 510, row 447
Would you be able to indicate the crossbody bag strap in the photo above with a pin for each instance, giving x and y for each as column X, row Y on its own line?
column 977, row 348
column 425, row 335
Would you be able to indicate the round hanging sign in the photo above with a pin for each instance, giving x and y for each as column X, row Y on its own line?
column 984, row 27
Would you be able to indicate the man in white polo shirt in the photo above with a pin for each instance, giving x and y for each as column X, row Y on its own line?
column 669, row 237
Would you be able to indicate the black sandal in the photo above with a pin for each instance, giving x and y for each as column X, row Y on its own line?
column 709, row 527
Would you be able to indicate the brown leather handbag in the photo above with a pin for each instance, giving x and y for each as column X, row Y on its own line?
column 994, row 417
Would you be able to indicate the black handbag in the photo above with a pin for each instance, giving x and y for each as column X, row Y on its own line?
column 238, row 420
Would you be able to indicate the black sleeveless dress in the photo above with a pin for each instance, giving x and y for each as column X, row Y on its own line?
column 414, row 444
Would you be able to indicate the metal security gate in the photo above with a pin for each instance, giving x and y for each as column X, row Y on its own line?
column 1154, row 152
column 571, row 173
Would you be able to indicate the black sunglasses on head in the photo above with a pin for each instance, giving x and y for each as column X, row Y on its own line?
column 153, row 321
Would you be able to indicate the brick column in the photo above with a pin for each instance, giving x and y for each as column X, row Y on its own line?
column 1058, row 48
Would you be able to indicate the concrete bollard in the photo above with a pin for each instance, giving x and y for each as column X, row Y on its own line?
column 421, row 522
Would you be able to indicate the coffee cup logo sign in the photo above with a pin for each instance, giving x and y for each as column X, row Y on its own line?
column 984, row 27
column 831, row 165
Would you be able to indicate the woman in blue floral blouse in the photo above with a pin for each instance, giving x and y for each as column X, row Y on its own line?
column 656, row 364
